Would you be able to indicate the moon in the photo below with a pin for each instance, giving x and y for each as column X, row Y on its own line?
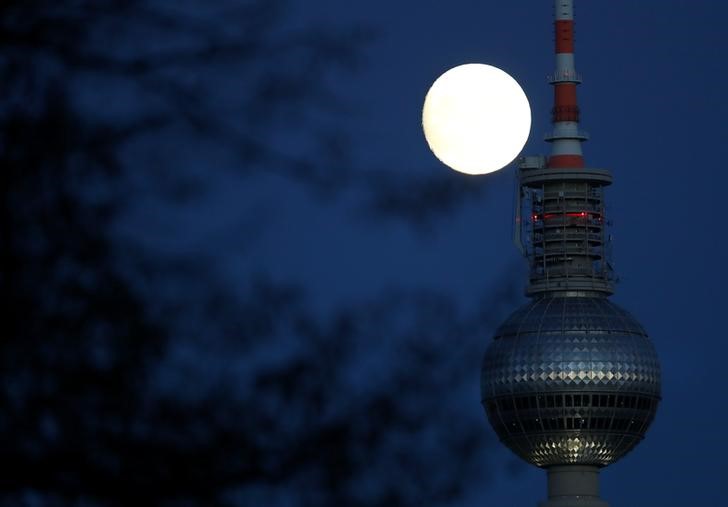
column 476, row 118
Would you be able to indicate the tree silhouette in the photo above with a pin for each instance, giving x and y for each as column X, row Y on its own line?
column 115, row 392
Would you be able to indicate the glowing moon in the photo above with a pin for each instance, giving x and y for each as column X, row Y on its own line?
column 476, row 118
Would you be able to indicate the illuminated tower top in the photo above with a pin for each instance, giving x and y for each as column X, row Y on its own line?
column 562, row 212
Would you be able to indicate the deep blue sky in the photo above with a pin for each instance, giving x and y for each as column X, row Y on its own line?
column 653, row 100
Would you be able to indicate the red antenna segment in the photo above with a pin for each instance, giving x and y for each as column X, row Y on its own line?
column 566, row 137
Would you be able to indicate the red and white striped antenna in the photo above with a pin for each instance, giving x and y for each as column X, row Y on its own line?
column 566, row 137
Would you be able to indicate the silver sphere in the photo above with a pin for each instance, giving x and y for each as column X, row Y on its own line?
column 570, row 380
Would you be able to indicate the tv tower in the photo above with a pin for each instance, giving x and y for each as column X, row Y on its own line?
column 571, row 381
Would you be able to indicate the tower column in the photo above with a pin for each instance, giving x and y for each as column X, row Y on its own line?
column 570, row 381
column 573, row 486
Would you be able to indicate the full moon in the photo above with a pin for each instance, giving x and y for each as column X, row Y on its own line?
column 476, row 118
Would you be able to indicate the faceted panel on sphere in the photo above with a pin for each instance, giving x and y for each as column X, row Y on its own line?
column 570, row 380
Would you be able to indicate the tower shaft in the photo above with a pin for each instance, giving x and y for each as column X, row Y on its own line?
column 573, row 486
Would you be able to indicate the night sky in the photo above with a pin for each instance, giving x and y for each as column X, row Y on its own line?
column 653, row 102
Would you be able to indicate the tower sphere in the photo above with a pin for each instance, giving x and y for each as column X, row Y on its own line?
column 570, row 380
